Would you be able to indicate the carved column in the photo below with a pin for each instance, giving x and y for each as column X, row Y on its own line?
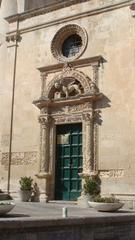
column 88, row 122
column 44, row 153
column 44, row 144
column 43, row 84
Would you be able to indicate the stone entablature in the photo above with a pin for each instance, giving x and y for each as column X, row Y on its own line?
column 68, row 98
column 95, row 8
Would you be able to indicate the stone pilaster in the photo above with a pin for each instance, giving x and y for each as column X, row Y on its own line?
column 95, row 73
column 44, row 153
column 43, row 84
column 88, row 122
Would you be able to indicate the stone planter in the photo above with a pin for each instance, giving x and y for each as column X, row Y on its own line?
column 82, row 201
column 25, row 195
column 106, row 207
column 6, row 207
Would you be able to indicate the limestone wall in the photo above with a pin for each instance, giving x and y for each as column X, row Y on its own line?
column 110, row 34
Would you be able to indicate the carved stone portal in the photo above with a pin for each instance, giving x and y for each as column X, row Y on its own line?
column 68, row 98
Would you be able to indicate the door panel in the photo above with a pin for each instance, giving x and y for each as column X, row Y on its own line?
column 68, row 162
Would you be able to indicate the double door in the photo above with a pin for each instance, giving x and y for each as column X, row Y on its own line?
column 68, row 184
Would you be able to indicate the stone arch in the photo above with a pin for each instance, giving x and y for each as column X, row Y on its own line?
column 70, row 74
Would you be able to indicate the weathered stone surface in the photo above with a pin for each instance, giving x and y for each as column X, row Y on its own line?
column 111, row 136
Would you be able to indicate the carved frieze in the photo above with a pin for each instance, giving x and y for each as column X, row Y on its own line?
column 68, row 119
column 19, row 158
column 113, row 173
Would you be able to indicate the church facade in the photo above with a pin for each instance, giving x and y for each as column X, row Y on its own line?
column 67, row 96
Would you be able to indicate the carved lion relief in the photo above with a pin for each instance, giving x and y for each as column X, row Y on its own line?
column 71, row 88
column 70, row 82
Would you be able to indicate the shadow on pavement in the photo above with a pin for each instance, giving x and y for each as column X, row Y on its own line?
column 13, row 215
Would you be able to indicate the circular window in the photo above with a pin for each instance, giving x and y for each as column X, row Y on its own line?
column 69, row 43
column 71, row 46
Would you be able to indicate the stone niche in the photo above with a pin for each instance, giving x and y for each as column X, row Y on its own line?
column 69, row 97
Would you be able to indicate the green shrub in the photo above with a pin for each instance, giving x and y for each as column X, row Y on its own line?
column 26, row 183
column 91, row 185
column 105, row 199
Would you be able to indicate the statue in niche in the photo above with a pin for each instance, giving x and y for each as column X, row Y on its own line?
column 73, row 88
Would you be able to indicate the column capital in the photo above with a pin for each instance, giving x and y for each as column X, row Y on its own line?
column 43, row 75
column 88, row 117
column 44, row 121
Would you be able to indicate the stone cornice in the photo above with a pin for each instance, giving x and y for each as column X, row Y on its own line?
column 132, row 7
column 41, row 103
column 76, row 63
column 41, row 11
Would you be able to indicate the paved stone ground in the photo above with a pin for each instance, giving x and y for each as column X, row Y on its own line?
column 53, row 210
column 40, row 221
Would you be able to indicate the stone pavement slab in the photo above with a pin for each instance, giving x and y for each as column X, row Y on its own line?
column 41, row 221
column 54, row 210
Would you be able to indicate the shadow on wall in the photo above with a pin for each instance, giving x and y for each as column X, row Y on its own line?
column 104, row 103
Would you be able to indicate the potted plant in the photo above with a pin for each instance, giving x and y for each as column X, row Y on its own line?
column 106, row 204
column 25, row 188
column 91, row 186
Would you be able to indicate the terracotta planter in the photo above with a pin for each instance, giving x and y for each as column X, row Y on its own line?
column 25, row 195
column 106, row 207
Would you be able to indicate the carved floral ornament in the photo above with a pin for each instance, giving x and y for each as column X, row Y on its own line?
column 62, row 35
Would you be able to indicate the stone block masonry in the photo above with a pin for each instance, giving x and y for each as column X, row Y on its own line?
column 93, row 228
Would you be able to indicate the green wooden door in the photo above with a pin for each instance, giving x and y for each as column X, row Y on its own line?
column 68, row 162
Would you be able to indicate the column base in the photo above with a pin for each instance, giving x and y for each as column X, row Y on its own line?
column 43, row 197
column 82, row 201
column 89, row 174
column 43, row 175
